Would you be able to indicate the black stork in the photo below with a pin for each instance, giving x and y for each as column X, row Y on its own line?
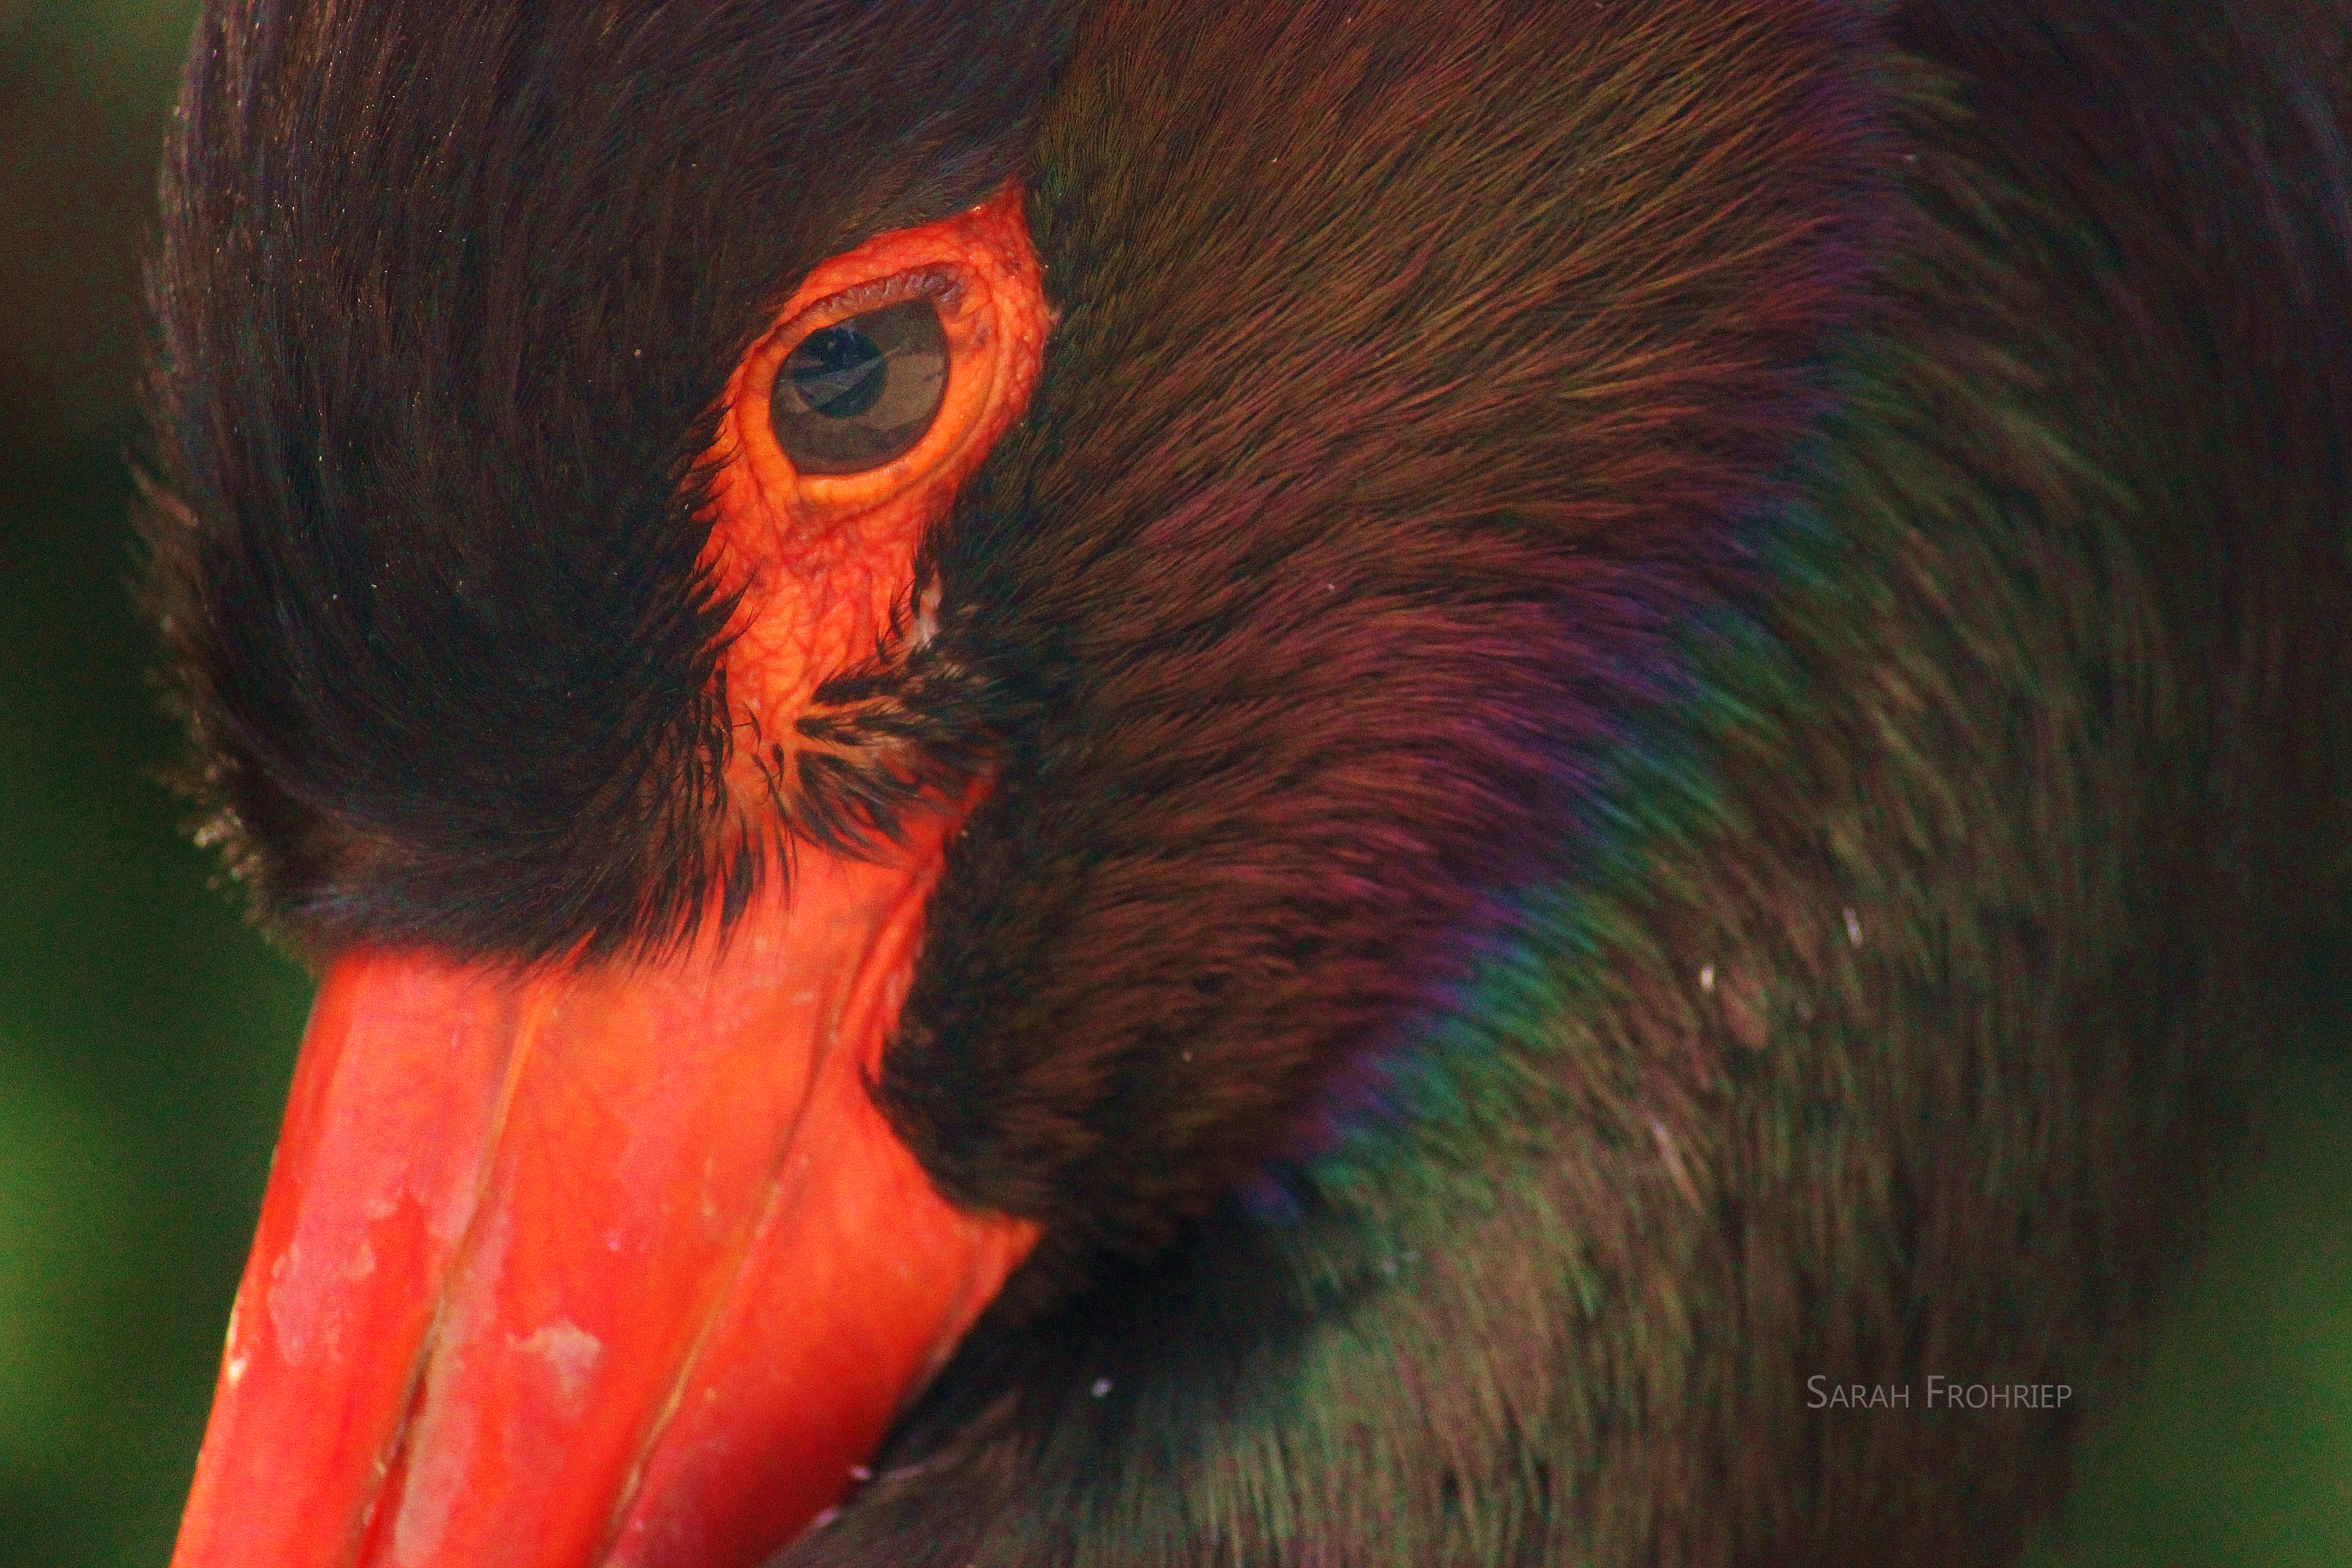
column 1147, row 783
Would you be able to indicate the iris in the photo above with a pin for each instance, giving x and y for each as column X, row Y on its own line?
column 857, row 393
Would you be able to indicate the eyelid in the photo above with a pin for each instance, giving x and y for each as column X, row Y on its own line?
column 944, row 285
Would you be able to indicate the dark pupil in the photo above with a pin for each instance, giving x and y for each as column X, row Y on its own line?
column 838, row 371
column 855, row 394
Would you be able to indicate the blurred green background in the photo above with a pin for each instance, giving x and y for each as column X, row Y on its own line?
column 146, row 1034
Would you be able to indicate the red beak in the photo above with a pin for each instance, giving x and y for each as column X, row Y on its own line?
column 591, row 1265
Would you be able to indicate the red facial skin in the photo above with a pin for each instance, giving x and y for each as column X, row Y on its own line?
column 827, row 556
column 617, row 1262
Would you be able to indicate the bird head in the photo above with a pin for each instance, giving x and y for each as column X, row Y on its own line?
column 884, row 650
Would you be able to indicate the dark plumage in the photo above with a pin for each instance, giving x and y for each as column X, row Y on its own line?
column 1664, row 682
column 433, row 604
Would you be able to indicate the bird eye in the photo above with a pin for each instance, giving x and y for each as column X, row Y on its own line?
column 853, row 395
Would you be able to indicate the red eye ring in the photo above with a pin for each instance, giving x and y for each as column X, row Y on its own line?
column 823, row 563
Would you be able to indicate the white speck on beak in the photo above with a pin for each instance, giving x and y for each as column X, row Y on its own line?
column 570, row 1351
